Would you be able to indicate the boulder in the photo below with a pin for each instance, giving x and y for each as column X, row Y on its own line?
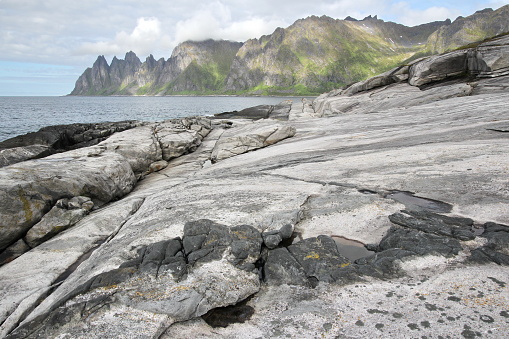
column 157, row 166
column 277, row 112
column 249, row 137
column 30, row 189
column 319, row 258
column 63, row 215
column 181, row 136
column 282, row 268
column 395, row 75
column 253, row 113
column 439, row 67
column 281, row 111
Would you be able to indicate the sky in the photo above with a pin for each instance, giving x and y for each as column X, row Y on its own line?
column 45, row 45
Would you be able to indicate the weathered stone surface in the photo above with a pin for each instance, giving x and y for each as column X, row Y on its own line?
column 17, row 154
column 440, row 305
column 459, row 228
column 55, row 139
column 181, row 136
column 104, row 172
column 395, row 75
column 302, row 110
column 29, row 189
column 490, row 59
column 439, row 67
column 139, row 147
column 58, row 219
column 243, row 139
column 399, row 95
column 282, row 268
column 26, row 280
column 319, row 257
column 189, row 292
column 130, row 260
column 497, row 248
column 14, row 251
column 419, row 242
column 205, row 240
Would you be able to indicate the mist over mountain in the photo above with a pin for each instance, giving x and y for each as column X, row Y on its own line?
column 313, row 55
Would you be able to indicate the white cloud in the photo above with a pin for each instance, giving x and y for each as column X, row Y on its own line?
column 146, row 37
column 411, row 17
column 215, row 21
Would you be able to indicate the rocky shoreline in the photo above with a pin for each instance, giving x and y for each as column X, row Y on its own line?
column 242, row 225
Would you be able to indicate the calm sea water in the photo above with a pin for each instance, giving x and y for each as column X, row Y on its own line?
column 20, row 115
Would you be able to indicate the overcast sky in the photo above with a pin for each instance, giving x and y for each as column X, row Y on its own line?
column 46, row 44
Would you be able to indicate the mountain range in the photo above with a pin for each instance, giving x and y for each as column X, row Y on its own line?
column 312, row 56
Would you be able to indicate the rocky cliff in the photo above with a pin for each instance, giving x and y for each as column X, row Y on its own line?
column 479, row 26
column 320, row 53
column 311, row 56
column 194, row 67
column 379, row 210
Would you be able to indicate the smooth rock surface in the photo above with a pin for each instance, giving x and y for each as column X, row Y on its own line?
column 198, row 235
column 104, row 172
column 244, row 139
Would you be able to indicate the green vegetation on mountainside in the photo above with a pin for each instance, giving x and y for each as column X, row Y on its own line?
column 312, row 56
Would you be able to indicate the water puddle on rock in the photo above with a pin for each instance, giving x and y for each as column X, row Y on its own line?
column 416, row 203
column 351, row 249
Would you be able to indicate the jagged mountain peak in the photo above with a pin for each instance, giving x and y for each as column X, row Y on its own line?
column 101, row 62
column 131, row 57
column 311, row 56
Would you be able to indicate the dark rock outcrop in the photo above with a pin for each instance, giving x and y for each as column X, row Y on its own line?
column 205, row 241
column 497, row 248
column 459, row 228
column 54, row 139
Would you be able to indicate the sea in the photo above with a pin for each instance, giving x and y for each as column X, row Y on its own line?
column 21, row 115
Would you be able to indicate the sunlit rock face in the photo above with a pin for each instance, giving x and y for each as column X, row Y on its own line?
column 171, row 235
